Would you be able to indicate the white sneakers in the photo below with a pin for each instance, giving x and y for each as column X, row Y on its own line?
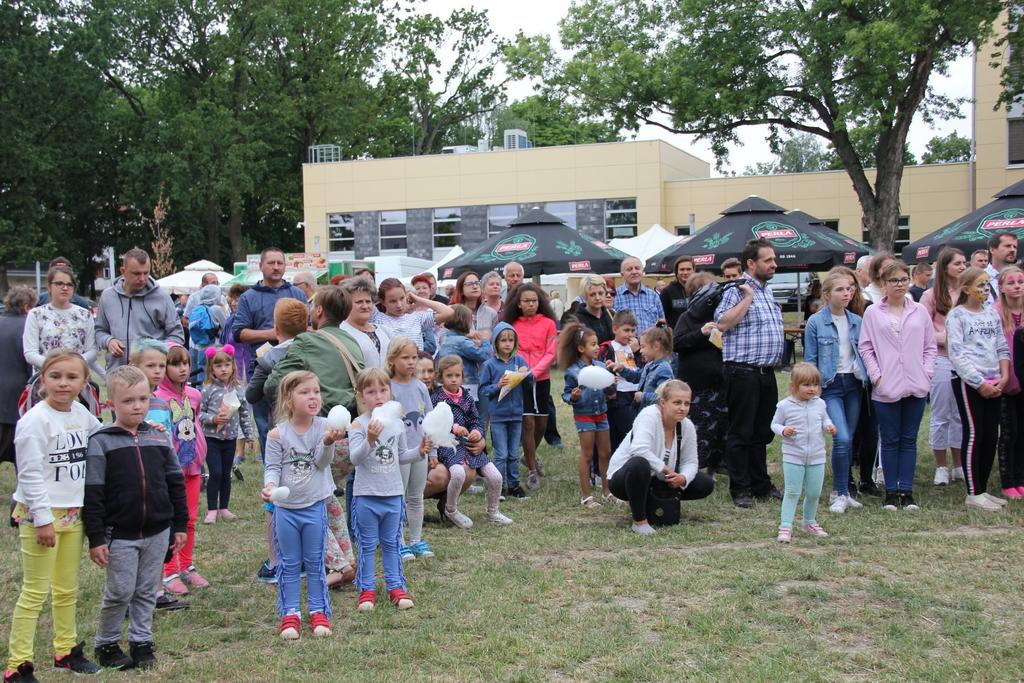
column 841, row 504
column 998, row 501
column 942, row 476
column 956, row 474
column 982, row 502
column 838, row 505
column 498, row 518
column 458, row 519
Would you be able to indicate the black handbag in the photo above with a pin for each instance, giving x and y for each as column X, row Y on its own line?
column 663, row 507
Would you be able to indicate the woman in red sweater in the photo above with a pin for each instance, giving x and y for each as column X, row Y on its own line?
column 529, row 312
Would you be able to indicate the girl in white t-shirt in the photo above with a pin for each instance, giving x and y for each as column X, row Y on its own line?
column 397, row 316
column 50, row 442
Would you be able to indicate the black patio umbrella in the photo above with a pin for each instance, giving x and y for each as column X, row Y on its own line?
column 971, row 232
column 541, row 243
column 800, row 245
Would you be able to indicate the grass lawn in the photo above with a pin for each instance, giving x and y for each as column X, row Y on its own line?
column 570, row 594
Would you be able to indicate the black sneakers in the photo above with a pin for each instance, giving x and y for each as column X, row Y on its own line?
column 238, row 473
column 743, row 501
column 111, row 656
column 168, row 604
column 266, row 574
column 892, row 501
column 22, row 675
column 869, row 488
column 907, row 502
column 142, row 655
column 76, row 662
column 517, row 492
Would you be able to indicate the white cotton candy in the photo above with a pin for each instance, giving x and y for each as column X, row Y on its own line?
column 231, row 402
column 594, row 377
column 279, row 494
column 389, row 415
column 437, row 425
column 339, row 418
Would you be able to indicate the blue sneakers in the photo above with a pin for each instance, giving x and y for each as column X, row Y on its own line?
column 266, row 574
column 407, row 554
column 421, row 549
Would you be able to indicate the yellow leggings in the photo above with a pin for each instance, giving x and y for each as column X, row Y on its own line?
column 46, row 570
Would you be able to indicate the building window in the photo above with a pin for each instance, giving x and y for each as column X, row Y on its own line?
column 563, row 211
column 499, row 217
column 447, row 227
column 341, row 232
column 392, row 230
column 1015, row 141
column 902, row 235
column 619, row 218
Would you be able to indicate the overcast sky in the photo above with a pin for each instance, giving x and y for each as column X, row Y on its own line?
column 542, row 16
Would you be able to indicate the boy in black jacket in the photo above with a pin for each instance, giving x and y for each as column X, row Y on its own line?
column 129, row 530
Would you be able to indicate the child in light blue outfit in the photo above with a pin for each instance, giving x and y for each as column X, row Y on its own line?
column 377, row 451
column 506, row 415
column 801, row 419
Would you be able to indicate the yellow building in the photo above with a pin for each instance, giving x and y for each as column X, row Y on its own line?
column 422, row 206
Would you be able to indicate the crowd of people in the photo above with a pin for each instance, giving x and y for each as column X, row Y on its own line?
column 668, row 390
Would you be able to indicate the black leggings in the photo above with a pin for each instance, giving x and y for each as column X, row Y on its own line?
column 980, row 419
column 632, row 483
column 220, row 454
column 1011, row 441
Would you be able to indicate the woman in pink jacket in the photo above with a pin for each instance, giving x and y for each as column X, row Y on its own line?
column 529, row 313
column 897, row 344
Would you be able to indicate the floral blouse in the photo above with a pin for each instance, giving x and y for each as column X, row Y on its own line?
column 48, row 328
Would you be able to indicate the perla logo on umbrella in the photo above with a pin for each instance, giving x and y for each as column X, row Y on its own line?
column 781, row 235
column 520, row 247
column 1007, row 220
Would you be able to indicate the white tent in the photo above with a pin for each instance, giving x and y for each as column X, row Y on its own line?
column 191, row 278
column 648, row 243
column 452, row 254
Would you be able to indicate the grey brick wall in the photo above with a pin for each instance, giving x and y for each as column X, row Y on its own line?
column 474, row 226
column 419, row 226
column 367, row 228
column 590, row 218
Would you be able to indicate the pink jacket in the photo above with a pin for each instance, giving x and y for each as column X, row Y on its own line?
column 537, row 343
column 903, row 362
column 189, row 442
column 1013, row 388
column 938, row 320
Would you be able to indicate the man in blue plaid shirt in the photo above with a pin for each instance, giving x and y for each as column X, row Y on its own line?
column 753, row 340
column 643, row 301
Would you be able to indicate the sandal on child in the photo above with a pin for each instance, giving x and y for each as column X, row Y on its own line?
column 589, row 503
column 609, row 498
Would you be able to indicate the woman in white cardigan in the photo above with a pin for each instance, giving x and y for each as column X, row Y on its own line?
column 661, row 446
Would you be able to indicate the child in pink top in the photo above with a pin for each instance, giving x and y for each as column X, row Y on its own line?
column 529, row 313
column 190, row 445
column 897, row 345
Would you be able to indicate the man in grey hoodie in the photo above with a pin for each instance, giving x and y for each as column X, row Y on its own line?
column 134, row 308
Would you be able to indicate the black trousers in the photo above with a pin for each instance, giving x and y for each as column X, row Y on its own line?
column 551, row 434
column 711, row 420
column 865, row 438
column 621, row 414
column 1011, row 441
column 751, row 396
column 632, row 482
column 980, row 419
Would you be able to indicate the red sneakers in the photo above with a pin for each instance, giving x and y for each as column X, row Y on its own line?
column 367, row 601
column 290, row 627
column 320, row 623
column 399, row 598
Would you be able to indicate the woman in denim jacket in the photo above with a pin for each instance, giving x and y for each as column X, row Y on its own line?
column 830, row 344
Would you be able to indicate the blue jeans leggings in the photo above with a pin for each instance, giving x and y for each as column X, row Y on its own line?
column 300, row 543
column 842, row 400
column 377, row 521
column 805, row 478
column 220, row 454
column 506, row 437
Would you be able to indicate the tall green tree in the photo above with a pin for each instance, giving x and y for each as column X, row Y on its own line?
column 450, row 71
column 944, row 149
column 823, row 67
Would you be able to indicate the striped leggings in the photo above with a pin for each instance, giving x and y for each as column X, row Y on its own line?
column 980, row 419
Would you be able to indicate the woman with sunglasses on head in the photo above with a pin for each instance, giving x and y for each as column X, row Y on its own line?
column 59, row 323
column 469, row 292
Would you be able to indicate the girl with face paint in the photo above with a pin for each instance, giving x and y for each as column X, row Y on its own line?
column 981, row 363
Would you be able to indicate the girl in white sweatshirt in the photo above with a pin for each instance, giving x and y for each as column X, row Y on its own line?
column 801, row 419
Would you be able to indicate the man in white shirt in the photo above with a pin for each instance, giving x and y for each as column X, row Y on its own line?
column 1003, row 249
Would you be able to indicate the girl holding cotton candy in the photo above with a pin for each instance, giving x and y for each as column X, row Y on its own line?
column 297, row 479
column 224, row 414
column 588, row 385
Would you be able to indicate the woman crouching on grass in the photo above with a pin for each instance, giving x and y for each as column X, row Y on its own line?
column 661, row 449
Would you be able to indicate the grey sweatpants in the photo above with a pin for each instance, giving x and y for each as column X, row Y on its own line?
column 132, row 578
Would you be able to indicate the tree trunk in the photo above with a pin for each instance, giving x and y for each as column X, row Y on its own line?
column 235, row 232
column 4, row 285
column 212, row 229
column 882, row 220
